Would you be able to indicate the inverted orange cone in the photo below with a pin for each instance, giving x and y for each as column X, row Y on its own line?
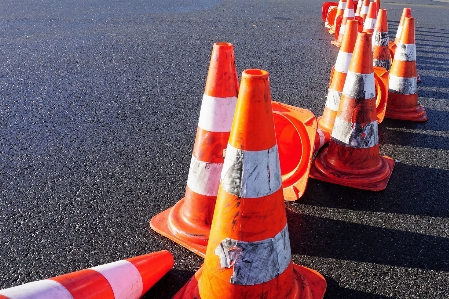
column 403, row 91
column 296, row 131
column 352, row 158
column 249, row 255
column 188, row 221
column 348, row 15
column 370, row 20
column 130, row 278
column 381, row 52
column 338, row 77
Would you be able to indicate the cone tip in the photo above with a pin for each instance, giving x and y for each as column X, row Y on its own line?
column 223, row 44
column 253, row 73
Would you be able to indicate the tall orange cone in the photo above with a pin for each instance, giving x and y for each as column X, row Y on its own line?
column 406, row 13
column 381, row 52
column 403, row 92
column 339, row 14
column 249, row 255
column 378, row 5
column 337, row 82
column 348, row 15
column 370, row 20
column 130, row 279
column 359, row 8
column 352, row 158
column 188, row 221
column 364, row 9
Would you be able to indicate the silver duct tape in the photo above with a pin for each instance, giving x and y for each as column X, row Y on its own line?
column 204, row 177
column 251, row 174
column 405, row 52
column 386, row 64
column 355, row 135
column 255, row 262
column 333, row 99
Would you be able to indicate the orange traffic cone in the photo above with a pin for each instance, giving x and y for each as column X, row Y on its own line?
column 328, row 12
column 130, row 278
column 381, row 52
column 188, row 221
column 406, row 13
column 359, row 7
column 378, row 5
column 249, row 255
column 296, row 131
column 403, row 92
column 338, row 77
column 364, row 9
column 370, row 20
column 348, row 15
column 352, row 158
column 339, row 14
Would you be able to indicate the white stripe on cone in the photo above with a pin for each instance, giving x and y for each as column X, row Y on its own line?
column 403, row 85
column 359, row 86
column 204, row 177
column 124, row 278
column 369, row 23
column 216, row 114
column 342, row 63
column 41, row 289
column 251, row 174
column 405, row 52
column 333, row 99
column 354, row 134
column 398, row 33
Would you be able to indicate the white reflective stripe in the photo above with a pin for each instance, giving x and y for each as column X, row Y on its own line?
column 124, row 278
column 251, row 174
column 342, row 29
column 369, row 23
column 364, row 10
column 333, row 99
column 359, row 4
column 398, row 33
column 402, row 85
column 359, row 86
column 341, row 5
column 41, row 289
column 349, row 13
column 322, row 138
column 255, row 262
column 216, row 114
column 380, row 39
column 342, row 63
column 386, row 64
column 204, row 177
column 405, row 52
column 355, row 135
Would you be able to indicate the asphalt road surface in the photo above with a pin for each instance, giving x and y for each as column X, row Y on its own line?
column 99, row 104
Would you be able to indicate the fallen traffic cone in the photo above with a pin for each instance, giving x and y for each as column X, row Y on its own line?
column 188, row 221
column 249, row 255
column 130, row 278
column 328, row 12
column 381, row 52
column 337, row 82
column 352, row 158
column 370, row 20
column 347, row 15
column 364, row 9
column 403, row 91
column 296, row 131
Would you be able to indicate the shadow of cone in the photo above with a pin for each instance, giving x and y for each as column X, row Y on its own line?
column 188, row 221
column 248, row 255
column 130, row 278
column 403, row 91
column 352, row 158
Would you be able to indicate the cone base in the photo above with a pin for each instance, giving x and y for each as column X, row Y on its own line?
column 167, row 224
column 417, row 113
column 377, row 180
column 311, row 283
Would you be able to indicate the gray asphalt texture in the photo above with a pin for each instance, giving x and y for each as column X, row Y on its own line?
column 99, row 104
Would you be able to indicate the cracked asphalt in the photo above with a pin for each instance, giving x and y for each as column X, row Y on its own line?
column 99, row 104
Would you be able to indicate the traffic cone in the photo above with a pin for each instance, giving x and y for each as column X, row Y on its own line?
column 338, row 77
column 296, row 133
column 339, row 14
column 381, row 52
column 359, row 7
column 403, row 92
column 248, row 254
column 348, row 15
column 406, row 13
column 352, row 158
column 370, row 20
column 328, row 12
column 130, row 278
column 188, row 221
column 378, row 5
column 364, row 9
